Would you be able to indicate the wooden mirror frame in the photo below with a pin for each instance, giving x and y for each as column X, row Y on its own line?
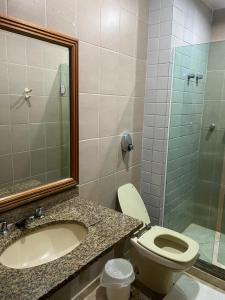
column 33, row 31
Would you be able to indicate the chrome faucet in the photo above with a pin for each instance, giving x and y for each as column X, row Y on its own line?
column 22, row 223
column 38, row 213
column 3, row 228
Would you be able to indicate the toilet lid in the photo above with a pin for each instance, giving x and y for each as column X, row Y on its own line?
column 131, row 203
column 169, row 244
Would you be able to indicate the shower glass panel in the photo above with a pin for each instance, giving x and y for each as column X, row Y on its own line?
column 195, row 179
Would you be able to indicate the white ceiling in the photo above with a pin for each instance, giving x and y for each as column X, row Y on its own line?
column 215, row 4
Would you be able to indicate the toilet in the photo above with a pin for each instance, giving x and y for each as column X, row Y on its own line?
column 159, row 255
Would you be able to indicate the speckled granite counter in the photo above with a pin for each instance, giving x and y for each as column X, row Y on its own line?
column 105, row 228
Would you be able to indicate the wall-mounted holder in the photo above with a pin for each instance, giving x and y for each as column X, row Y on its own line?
column 27, row 93
column 126, row 142
column 212, row 126
column 198, row 77
column 190, row 76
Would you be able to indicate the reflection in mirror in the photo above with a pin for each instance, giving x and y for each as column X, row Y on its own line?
column 34, row 113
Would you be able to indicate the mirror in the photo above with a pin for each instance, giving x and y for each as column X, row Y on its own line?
column 38, row 112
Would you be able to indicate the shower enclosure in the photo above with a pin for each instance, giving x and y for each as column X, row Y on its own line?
column 195, row 177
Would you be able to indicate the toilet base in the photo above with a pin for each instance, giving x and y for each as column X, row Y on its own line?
column 158, row 278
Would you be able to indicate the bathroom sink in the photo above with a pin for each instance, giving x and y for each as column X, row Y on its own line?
column 43, row 245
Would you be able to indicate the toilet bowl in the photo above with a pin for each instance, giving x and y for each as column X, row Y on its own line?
column 159, row 255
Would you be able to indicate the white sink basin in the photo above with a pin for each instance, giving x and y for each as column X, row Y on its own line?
column 43, row 245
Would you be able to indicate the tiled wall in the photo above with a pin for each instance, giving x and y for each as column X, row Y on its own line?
column 171, row 23
column 31, row 130
column 113, row 50
column 218, row 26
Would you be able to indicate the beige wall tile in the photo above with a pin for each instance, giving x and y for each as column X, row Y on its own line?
column 122, row 178
column 17, row 79
column 140, row 72
column 38, row 162
column 110, row 20
column 136, row 153
column 21, row 165
column 51, row 82
column 137, row 114
column 53, row 134
column 16, row 49
column 54, row 55
column 5, row 133
column 143, row 9
column 61, row 16
column 218, row 25
column 90, row 191
column 52, row 109
column 53, row 158
column 3, row 78
column 5, row 109
column 6, row 165
column 128, row 33
column 88, row 18
column 108, row 116
column 20, row 138
column 123, row 158
column 18, row 109
column 89, row 68
column 109, row 83
column 35, row 80
column 3, row 46
column 37, row 109
column 132, row 174
column 35, row 53
column 53, row 176
column 89, row 116
column 108, row 155
column 107, row 191
column 124, row 114
column 130, row 5
column 31, row 11
column 126, row 75
column 142, row 40
column 135, row 176
column 3, row 5
column 36, row 136
column 89, row 160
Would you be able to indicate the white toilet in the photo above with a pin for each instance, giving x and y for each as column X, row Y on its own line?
column 159, row 255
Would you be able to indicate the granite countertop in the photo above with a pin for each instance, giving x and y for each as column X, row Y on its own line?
column 106, row 228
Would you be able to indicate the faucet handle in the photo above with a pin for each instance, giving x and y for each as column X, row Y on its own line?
column 3, row 228
column 38, row 213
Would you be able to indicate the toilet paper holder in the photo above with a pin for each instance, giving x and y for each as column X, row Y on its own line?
column 126, row 142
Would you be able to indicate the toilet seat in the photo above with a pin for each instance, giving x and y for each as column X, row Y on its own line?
column 169, row 244
column 162, row 244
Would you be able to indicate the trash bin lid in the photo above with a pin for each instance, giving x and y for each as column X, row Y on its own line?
column 117, row 272
column 119, row 268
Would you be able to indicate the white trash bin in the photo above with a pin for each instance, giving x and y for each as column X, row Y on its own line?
column 117, row 277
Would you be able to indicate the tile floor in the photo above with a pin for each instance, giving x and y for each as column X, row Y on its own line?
column 186, row 288
column 212, row 244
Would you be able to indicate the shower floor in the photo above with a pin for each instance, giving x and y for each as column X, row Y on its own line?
column 211, row 243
